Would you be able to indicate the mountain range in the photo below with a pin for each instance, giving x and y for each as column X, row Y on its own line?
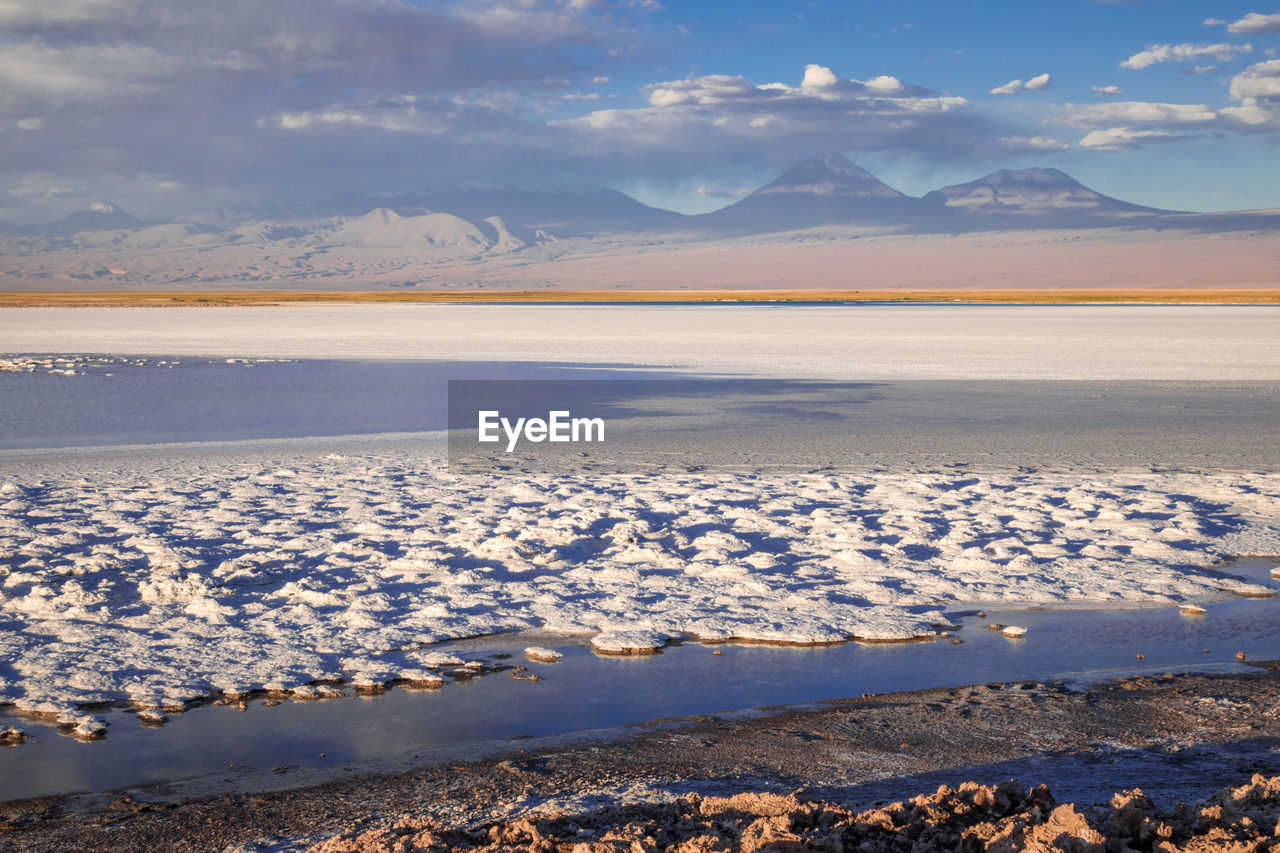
column 476, row 220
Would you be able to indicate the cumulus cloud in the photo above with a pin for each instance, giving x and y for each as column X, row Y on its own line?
column 705, row 124
column 1197, row 70
column 1121, row 138
column 1254, row 22
column 253, row 96
column 1107, row 90
column 1031, row 144
column 1158, row 53
column 1145, row 113
column 1260, row 82
column 712, row 116
column 1127, row 124
column 818, row 80
column 1014, row 87
column 1039, row 82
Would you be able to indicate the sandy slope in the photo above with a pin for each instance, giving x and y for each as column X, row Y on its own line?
column 829, row 257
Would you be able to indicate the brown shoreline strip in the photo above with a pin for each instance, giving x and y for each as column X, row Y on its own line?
column 227, row 298
column 1212, row 731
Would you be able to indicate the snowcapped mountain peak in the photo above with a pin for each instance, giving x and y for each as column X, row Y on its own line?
column 1038, row 192
column 97, row 216
column 101, row 207
column 830, row 175
column 1037, row 176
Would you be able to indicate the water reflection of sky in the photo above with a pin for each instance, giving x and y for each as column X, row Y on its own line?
column 586, row 691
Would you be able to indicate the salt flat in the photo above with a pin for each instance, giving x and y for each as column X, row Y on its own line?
column 833, row 342
column 174, row 574
column 165, row 580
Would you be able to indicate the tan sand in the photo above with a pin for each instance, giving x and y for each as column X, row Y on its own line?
column 226, row 298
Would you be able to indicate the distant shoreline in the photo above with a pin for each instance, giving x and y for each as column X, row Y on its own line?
column 231, row 298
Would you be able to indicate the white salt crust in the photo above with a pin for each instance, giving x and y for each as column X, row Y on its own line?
column 169, row 579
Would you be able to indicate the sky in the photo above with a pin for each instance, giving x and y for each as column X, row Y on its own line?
column 173, row 107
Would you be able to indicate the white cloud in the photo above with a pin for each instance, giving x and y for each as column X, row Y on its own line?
column 1158, row 53
column 727, row 116
column 1014, row 87
column 712, row 89
column 1257, row 82
column 818, row 79
column 885, row 85
column 19, row 14
column 1031, row 144
column 1257, row 88
column 1042, row 81
column 239, row 98
column 1135, row 112
column 1120, row 138
column 1107, row 90
column 30, row 124
column 1253, row 22
column 1197, row 70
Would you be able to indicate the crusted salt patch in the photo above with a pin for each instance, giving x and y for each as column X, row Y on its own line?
column 628, row 643
column 418, row 678
column 190, row 578
column 82, row 726
column 1015, row 632
column 542, row 654
column 152, row 717
column 1248, row 590
column 369, row 682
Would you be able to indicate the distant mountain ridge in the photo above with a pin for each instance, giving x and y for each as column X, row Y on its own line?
column 95, row 216
column 825, row 190
column 822, row 192
column 1034, row 194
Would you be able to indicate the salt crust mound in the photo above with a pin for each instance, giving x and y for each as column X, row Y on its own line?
column 971, row 817
column 168, row 579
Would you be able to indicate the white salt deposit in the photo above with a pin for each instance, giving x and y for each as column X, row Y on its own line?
column 543, row 655
column 161, row 580
column 837, row 342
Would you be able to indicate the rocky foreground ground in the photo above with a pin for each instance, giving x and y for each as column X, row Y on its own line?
column 847, row 775
column 973, row 817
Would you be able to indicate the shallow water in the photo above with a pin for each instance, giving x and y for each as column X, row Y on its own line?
column 585, row 692
column 210, row 401
column 115, row 401
column 128, row 400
